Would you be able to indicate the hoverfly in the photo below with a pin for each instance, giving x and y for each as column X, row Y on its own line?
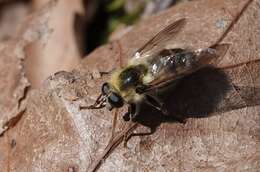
column 151, row 68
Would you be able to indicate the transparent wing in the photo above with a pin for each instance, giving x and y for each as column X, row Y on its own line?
column 160, row 40
column 173, row 64
column 214, row 90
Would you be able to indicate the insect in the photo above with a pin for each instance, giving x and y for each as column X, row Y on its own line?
column 151, row 68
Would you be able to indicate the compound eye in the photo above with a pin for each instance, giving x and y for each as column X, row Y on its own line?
column 115, row 100
column 105, row 88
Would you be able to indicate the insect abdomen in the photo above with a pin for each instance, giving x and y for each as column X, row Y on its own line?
column 174, row 61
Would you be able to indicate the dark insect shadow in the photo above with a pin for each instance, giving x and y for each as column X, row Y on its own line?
column 199, row 95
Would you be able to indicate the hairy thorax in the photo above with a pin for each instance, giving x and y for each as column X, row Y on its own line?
column 126, row 80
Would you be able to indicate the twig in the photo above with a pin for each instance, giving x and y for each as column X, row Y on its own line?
column 240, row 64
column 234, row 21
column 111, row 146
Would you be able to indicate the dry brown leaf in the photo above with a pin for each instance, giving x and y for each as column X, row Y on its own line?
column 59, row 50
column 54, row 135
column 14, row 84
column 12, row 14
column 35, row 31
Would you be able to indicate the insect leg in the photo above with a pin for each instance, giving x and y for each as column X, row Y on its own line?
column 140, row 89
column 102, row 73
column 135, row 111
column 154, row 102
column 99, row 103
column 130, row 114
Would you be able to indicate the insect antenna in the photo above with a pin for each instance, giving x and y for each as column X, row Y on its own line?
column 99, row 103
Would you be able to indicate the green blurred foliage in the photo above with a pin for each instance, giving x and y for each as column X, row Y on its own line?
column 109, row 15
column 118, row 15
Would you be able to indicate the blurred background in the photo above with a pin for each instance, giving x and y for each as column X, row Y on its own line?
column 69, row 30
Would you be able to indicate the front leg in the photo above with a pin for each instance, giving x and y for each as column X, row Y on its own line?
column 131, row 112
